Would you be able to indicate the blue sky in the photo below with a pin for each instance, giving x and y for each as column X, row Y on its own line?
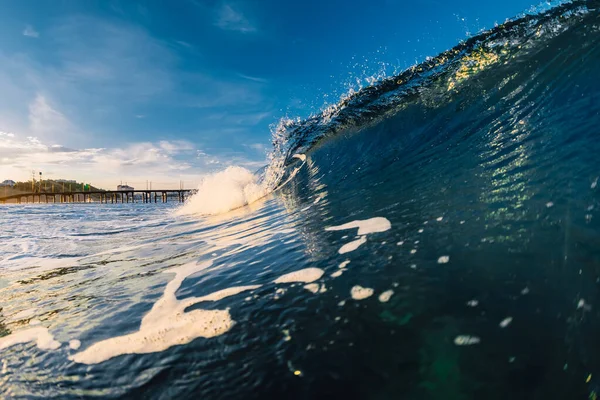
column 109, row 90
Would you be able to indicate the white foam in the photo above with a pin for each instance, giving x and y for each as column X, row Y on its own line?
column 74, row 344
column 301, row 157
column 337, row 273
column 306, row 275
column 386, row 296
column 360, row 293
column 473, row 303
column 167, row 324
column 365, row 227
column 224, row 191
column 312, row 287
column 505, row 322
column 274, row 166
column 355, row 244
column 40, row 335
column 221, row 294
column 236, row 187
column 443, row 259
column 466, row 340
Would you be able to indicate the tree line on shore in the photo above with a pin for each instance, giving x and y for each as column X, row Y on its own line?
column 46, row 186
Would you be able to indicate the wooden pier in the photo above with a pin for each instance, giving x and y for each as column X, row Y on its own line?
column 102, row 197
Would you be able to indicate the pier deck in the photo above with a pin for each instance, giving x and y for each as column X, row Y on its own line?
column 102, row 197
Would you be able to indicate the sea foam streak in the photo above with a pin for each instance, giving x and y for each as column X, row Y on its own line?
column 167, row 324
column 365, row 227
column 44, row 340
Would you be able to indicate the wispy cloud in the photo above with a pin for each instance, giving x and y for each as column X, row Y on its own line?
column 111, row 79
column 248, row 118
column 184, row 44
column 114, row 59
column 260, row 147
column 232, row 20
column 106, row 68
column 44, row 119
column 253, row 78
column 222, row 93
column 29, row 31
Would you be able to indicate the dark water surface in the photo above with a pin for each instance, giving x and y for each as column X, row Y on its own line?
column 485, row 161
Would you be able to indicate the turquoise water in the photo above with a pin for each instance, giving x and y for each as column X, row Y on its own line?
column 436, row 236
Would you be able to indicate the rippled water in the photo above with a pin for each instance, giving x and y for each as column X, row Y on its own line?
column 435, row 240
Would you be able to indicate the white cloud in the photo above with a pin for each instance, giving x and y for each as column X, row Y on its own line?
column 229, row 19
column 163, row 162
column 30, row 32
column 44, row 119
column 102, row 166
column 176, row 146
column 260, row 147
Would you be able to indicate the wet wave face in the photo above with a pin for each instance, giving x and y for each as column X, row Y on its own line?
column 432, row 236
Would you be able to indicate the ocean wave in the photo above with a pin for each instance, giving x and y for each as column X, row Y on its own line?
column 432, row 84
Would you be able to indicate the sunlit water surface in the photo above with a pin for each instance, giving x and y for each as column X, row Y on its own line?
column 436, row 241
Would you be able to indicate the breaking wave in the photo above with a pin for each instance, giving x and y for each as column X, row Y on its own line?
column 480, row 68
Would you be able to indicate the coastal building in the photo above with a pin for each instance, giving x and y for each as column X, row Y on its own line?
column 124, row 187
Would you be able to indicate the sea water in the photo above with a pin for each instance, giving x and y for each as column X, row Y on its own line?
column 435, row 235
